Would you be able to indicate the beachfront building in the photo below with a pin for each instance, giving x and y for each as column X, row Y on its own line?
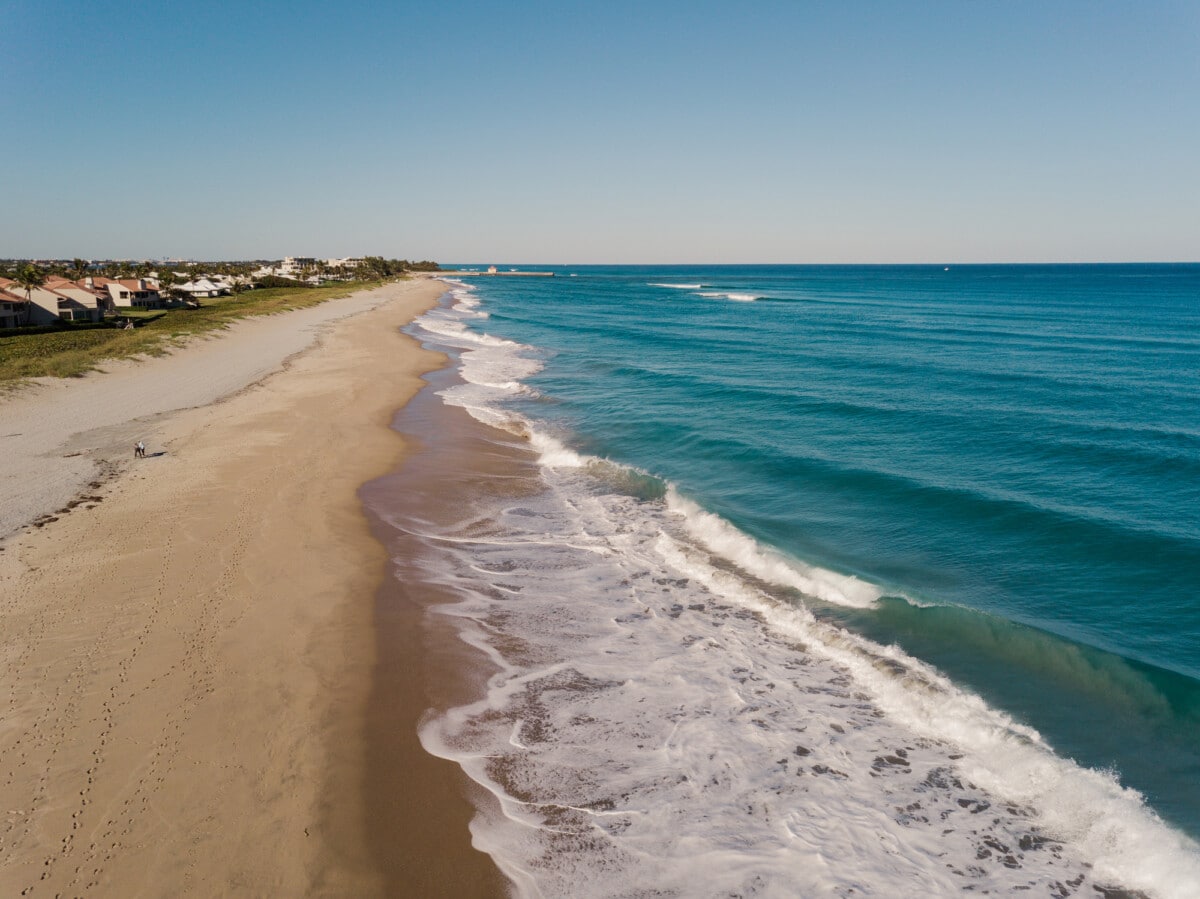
column 47, row 305
column 350, row 262
column 296, row 265
column 128, row 292
column 204, row 287
column 311, row 269
column 12, row 309
column 86, row 297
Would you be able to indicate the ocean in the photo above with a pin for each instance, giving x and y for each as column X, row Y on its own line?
column 825, row 580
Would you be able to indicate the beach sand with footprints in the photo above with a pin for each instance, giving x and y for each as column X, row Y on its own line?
column 188, row 643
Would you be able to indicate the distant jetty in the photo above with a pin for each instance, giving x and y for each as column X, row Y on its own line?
column 495, row 272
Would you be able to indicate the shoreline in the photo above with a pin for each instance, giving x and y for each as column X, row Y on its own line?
column 451, row 455
column 189, row 661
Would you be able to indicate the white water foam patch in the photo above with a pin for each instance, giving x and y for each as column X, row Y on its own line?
column 678, row 286
column 1111, row 826
column 492, row 368
column 466, row 298
column 735, row 297
column 651, row 730
column 553, row 453
column 458, row 334
column 723, row 539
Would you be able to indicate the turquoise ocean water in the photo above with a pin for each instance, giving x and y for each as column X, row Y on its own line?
column 984, row 481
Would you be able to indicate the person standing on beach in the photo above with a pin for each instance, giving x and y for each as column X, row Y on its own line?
column 139, row 450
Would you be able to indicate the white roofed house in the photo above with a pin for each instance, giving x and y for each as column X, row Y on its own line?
column 203, row 287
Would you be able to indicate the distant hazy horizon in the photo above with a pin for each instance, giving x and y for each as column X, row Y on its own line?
column 450, row 266
column 629, row 134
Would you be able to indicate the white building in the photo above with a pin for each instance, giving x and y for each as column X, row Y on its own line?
column 203, row 287
column 295, row 265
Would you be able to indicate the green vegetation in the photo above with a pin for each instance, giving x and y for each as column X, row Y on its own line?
column 80, row 268
column 71, row 351
column 371, row 267
column 385, row 268
column 276, row 281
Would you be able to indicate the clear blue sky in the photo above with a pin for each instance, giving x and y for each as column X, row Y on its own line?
column 602, row 132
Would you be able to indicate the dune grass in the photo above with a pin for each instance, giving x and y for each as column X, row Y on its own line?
column 73, row 352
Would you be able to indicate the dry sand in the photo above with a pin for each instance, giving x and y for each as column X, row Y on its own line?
column 58, row 435
column 186, row 660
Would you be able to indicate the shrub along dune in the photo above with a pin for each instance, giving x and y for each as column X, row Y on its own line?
column 73, row 351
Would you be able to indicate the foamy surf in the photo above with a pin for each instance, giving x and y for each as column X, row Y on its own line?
column 725, row 540
column 668, row 716
column 725, row 295
column 1110, row 825
column 658, row 722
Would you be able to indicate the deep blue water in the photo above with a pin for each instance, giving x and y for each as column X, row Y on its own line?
column 1010, row 453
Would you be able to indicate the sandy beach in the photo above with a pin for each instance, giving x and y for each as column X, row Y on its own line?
column 191, row 669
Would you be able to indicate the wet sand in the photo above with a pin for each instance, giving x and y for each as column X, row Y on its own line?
column 454, row 459
column 195, row 698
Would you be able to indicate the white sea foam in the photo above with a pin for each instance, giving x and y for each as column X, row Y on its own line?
column 736, row 297
column 491, row 367
column 1109, row 824
column 679, row 286
column 554, row 453
column 667, row 717
column 658, row 722
column 725, row 540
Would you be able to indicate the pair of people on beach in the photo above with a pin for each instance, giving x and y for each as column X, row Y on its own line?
column 139, row 450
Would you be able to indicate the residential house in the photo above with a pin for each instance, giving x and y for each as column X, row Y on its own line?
column 87, row 297
column 47, row 305
column 203, row 287
column 129, row 292
column 12, row 308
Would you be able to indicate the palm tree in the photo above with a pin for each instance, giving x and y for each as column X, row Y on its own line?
column 166, row 284
column 80, row 268
column 29, row 277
